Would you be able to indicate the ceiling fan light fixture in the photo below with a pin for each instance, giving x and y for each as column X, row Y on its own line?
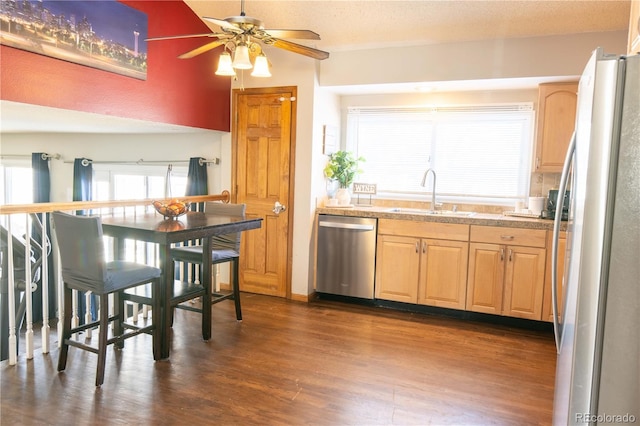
column 225, row 65
column 261, row 68
column 241, row 59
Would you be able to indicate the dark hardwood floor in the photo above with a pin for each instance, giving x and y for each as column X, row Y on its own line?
column 290, row 363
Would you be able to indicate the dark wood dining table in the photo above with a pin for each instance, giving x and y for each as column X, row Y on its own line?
column 153, row 228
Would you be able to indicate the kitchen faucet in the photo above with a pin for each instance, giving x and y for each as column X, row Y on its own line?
column 433, row 188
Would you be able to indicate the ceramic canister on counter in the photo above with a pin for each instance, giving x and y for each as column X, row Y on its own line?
column 536, row 205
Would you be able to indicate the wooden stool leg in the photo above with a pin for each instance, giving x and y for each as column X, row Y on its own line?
column 236, row 288
column 156, row 319
column 102, row 341
column 66, row 328
column 120, row 315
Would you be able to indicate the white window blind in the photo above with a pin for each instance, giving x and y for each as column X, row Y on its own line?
column 479, row 153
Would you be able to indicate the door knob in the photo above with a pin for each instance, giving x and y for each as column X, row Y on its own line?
column 278, row 208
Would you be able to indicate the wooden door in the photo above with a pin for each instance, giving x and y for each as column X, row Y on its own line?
column 397, row 270
column 263, row 146
column 486, row 278
column 443, row 273
column 524, row 282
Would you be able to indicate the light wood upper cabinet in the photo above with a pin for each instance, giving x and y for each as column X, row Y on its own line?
column 414, row 265
column 506, row 271
column 633, row 46
column 547, row 309
column 555, row 123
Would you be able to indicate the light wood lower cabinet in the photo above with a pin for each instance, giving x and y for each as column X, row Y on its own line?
column 488, row 269
column 506, row 279
column 443, row 273
column 485, row 284
column 397, row 268
column 547, row 309
column 417, row 269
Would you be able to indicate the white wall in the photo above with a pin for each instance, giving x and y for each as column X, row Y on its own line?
column 478, row 60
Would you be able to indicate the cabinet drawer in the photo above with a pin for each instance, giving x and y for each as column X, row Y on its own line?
column 510, row 236
column 419, row 229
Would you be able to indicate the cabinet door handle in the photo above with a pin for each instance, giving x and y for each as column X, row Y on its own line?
column 424, row 246
column 507, row 237
column 501, row 254
column 417, row 247
column 510, row 253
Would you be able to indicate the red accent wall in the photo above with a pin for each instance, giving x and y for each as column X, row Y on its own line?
column 177, row 91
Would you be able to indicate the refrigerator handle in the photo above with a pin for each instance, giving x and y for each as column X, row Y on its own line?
column 562, row 189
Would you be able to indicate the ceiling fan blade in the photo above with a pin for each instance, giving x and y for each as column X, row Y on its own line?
column 220, row 22
column 299, row 34
column 302, row 50
column 184, row 36
column 202, row 49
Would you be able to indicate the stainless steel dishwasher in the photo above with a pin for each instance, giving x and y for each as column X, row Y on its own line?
column 346, row 255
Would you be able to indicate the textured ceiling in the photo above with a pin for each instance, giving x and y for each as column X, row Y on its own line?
column 347, row 25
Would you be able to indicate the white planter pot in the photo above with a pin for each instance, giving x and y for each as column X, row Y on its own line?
column 343, row 196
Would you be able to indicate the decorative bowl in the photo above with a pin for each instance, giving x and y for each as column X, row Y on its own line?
column 171, row 210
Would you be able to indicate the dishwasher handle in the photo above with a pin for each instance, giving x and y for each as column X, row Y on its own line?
column 340, row 225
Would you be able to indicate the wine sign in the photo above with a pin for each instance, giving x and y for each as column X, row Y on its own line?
column 364, row 188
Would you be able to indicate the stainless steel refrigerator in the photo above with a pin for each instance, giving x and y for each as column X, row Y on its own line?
column 598, row 332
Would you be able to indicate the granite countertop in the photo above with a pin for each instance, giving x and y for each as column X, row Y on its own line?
column 484, row 219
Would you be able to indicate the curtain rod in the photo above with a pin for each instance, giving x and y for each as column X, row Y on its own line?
column 85, row 162
column 44, row 156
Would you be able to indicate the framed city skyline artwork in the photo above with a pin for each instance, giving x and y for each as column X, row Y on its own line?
column 103, row 34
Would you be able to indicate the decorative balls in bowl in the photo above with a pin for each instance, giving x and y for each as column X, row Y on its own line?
column 172, row 209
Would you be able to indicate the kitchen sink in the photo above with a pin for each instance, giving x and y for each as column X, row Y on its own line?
column 430, row 212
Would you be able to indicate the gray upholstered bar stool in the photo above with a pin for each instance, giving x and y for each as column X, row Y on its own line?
column 85, row 268
column 225, row 248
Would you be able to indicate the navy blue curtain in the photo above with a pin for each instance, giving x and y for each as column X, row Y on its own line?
column 41, row 178
column 197, row 179
column 42, row 194
column 82, row 181
column 196, row 185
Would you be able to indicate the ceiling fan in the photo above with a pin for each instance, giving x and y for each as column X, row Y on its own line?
column 247, row 31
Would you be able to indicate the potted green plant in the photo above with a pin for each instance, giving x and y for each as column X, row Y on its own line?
column 343, row 167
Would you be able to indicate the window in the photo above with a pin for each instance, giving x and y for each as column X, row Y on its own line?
column 123, row 182
column 128, row 183
column 16, row 184
column 16, row 188
column 481, row 154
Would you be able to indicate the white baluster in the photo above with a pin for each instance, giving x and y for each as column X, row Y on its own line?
column 27, row 288
column 45, row 287
column 216, row 278
column 13, row 342
column 135, row 312
column 75, row 319
column 87, row 313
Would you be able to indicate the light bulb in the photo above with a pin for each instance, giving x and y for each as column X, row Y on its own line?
column 261, row 68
